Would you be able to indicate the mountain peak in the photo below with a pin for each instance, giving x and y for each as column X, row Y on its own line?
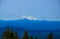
column 29, row 17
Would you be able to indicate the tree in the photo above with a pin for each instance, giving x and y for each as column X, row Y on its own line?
column 50, row 36
column 15, row 35
column 25, row 35
column 31, row 37
column 10, row 34
column 7, row 33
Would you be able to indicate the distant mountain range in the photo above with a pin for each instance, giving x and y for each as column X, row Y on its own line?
column 25, row 24
column 34, row 27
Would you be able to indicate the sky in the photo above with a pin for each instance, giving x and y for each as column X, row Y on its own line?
column 39, row 9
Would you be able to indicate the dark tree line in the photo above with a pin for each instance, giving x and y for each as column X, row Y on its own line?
column 10, row 34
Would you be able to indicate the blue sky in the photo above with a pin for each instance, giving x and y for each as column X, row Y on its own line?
column 43, row 9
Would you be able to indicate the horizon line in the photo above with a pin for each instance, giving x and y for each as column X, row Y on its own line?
column 27, row 19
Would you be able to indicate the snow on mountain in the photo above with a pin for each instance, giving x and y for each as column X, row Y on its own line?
column 29, row 17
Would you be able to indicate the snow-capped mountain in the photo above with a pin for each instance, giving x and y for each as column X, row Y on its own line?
column 29, row 17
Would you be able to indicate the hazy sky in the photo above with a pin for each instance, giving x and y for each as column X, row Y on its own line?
column 43, row 9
